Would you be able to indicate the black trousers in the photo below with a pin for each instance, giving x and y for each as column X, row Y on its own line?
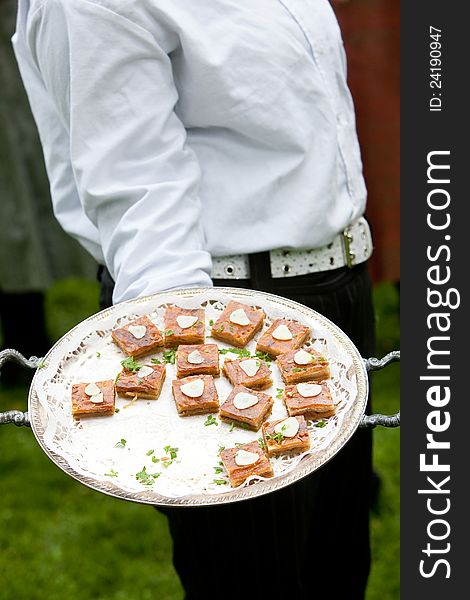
column 309, row 540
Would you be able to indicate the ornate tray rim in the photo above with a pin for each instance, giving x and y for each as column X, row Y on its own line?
column 307, row 466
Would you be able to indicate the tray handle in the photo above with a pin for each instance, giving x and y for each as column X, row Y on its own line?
column 17, row 417
column 371, row 421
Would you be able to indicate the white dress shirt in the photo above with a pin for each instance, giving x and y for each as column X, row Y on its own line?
column 175, row 130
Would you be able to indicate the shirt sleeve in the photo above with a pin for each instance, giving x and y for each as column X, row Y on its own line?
column 137, row 179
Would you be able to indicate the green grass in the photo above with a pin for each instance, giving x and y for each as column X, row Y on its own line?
column 61, row 541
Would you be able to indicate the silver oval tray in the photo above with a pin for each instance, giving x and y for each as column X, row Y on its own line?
column 87, row 451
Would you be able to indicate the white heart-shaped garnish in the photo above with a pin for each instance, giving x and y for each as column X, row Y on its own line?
column 193, row 389
column 231, row 356
column 288, row 428
column 138, row 331
column 145, row 371
column 309, row 390
column 244, row 400
column 282, row 333
column 243, row 458
column 185, row 321
column 97, row 398
column 195, row 358
column 302, row 358
column 92, row 389
column 250, row 366
column 239, row 317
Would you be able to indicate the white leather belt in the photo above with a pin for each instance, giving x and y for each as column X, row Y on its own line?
column 349, row 248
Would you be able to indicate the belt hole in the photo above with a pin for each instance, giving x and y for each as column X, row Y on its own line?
column 332, row 261
column 286, row 268
column 229, row 270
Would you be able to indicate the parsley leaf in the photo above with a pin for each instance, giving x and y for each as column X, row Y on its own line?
column 261, row 443
column 98, row 354
column 218, row 470
column 220, row 481
column 320, row 424
column 130, row 364
column 263, row 356
column 280, row 392
column 156, row 361
column 169, row 356
column 242, row 352
column 150, row 452
column 121, row 444
column 211, row 322
column 112, row 473
column 211, row 420
column 169, row 332
column 146, row 478
column 277, row 437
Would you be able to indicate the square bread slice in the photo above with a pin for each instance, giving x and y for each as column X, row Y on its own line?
column 138, row 337
column 184, row 326
column 244, row 461
column 147, row 382
column 246, row 406
column 195, row 395
column 303, row 365
column 253, row 373
column 238, row 324
column 199, row 359
column 93, row 399
column 286, row 436
column 313, row 400
column 282, row 336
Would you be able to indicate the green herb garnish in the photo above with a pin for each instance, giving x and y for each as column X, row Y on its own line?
column 320, row 424
column 169, row 356
column 218, row 470
column 121, row 444
column 169, row 332
column 261, row 443
column 150, row 452
column 296, row 370
column 98, row 354
column 231, row 427
column 263, row 356
column 155, row 459
column 130, row 364
column 277, row 437
column 146, row 478
column 173, row 452
column 112, row 473
column 156, row 361
column 211, row 322
column 116, row 410
column 211, row 420
column 280, row 392
column 242, row 352
column 220, row 481
column 41, row 364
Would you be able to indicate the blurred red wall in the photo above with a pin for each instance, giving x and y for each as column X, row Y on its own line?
column 371, row 33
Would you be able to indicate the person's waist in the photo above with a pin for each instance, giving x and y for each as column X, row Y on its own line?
column 349, row 248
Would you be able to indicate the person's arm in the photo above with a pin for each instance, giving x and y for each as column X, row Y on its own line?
column 112, row 85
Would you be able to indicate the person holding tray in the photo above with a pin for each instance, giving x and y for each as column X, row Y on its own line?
column 214, row 143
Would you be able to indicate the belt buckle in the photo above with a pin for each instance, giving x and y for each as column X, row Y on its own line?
column 349, row 256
